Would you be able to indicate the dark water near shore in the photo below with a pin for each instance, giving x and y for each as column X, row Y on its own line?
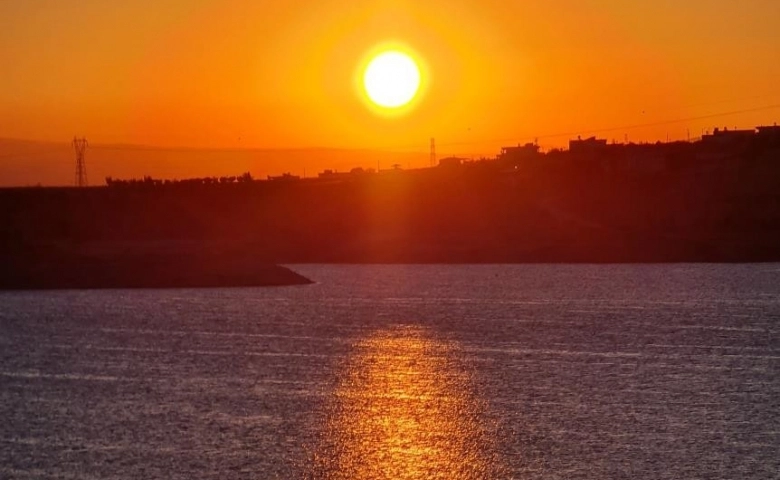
column 551, row 372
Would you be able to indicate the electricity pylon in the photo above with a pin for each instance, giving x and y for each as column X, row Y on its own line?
column 80, row 146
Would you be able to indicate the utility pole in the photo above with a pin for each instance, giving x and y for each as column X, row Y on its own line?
column 80, row 146
column 433, row 152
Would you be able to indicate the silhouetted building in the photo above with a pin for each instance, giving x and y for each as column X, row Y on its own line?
column 333, row 174
column 519, row 154
column 520, row 157
column 450, row 162
column 772, row 130
column 589, row 146
column 728, row 138
column 520, row 151
column 768, row 135
column 724, row 144
column 285, row 177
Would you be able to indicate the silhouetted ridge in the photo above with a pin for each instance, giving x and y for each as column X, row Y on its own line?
column 714, row 200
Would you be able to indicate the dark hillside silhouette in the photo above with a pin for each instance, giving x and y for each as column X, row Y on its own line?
column 714, row 200
column 559, row 207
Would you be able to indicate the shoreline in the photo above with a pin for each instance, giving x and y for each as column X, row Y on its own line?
column 63, row 272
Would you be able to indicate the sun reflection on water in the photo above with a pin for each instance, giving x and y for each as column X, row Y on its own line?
column 405, row 409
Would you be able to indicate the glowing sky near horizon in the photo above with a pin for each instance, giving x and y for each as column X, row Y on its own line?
column 235, row 73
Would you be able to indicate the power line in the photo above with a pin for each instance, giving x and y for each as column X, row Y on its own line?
column 411, row 148
column 625, row 127
column 765, row 97
column 49, row 151
column 416, row 147
column 670, row 122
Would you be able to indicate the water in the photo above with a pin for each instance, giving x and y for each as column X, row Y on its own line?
column 550, row 372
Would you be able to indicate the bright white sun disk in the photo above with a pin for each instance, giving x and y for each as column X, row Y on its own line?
column 391, row 79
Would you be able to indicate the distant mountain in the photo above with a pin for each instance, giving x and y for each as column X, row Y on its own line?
column 26, row 162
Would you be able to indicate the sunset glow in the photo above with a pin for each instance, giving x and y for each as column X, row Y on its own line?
column 290, row 75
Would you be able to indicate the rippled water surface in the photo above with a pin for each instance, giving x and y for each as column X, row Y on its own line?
column 407, row 372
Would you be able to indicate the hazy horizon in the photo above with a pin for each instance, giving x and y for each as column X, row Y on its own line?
column 31, row 162
column 26, row 162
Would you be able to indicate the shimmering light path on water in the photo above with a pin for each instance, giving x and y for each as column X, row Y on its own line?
column 405, row 409
column 554, row 372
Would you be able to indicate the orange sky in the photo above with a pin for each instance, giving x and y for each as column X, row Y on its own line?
column 271, row 74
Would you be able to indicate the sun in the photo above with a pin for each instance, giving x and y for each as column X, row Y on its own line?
column 391, row 79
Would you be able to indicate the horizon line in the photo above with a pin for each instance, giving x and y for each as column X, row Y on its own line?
column 422, row 148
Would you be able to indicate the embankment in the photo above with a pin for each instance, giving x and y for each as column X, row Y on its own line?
column 59, row 270
column 466, row 215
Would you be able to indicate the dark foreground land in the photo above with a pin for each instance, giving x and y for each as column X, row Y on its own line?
column 59, row 270
column 192, row 235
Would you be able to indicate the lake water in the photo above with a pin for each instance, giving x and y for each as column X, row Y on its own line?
column 406, row 372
